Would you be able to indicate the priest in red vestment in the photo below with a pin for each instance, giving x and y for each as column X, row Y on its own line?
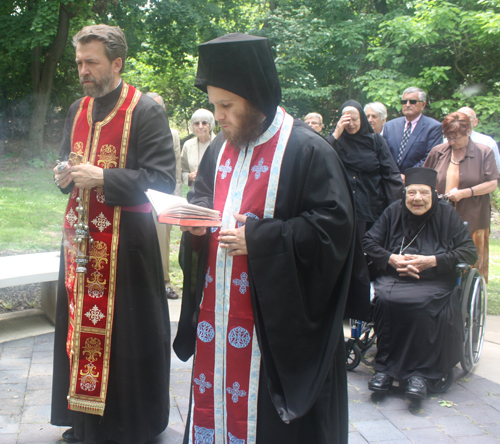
column 264, row 295
column 112, row 333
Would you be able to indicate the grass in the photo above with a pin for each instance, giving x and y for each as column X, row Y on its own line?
column 32, row 208
column 494, row 278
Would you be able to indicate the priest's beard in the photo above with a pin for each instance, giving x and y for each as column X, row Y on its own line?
column 98, row 87
column 252, row 125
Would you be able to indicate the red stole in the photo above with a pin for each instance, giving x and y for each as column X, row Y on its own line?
column 227, row 361
column 91, row 295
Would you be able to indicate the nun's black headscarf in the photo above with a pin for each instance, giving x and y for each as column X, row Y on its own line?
column 244, row 65
column 357, row 151
column 412, row 223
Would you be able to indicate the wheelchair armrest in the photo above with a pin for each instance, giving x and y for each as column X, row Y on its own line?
column 462, row 267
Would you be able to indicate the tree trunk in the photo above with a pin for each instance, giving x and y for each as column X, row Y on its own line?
column 42, row 76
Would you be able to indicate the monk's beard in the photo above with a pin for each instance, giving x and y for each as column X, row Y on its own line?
column 252, row 126
column 98, row 88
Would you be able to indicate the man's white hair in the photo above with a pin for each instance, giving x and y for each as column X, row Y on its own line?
column 378, row 107
column 413, row 89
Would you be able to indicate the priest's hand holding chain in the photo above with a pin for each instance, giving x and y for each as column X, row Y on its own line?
column 62, row 176
column 234, row 239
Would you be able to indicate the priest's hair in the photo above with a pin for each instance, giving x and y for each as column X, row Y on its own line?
column 113, row 38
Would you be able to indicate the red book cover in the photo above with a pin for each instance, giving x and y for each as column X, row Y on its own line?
column 175, row 210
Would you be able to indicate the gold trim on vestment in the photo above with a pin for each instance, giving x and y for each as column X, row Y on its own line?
column 96, row 404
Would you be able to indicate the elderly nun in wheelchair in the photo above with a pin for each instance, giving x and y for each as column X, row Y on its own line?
column 416, row 244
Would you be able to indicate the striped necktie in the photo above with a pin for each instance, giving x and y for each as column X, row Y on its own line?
column 404, row 141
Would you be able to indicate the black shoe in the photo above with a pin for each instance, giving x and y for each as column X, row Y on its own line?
column 69, row 436
column 380, row 382
column 416, row 388
column 171, row 294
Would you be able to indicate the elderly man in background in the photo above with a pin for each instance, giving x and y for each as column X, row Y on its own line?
column 315, row 121
column 163, row 230
column 112, row 329
column 376, row 113
column 412, row 136
column 479, row 137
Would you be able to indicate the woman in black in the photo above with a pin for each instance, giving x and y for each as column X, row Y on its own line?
column 417, row 243
column 375, row 179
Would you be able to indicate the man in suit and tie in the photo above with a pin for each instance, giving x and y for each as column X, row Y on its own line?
column 411, row 137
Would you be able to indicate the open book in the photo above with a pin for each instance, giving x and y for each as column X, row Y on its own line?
column 175, row 210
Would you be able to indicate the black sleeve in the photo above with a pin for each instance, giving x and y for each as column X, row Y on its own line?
column 374, row 240
column 300, row 265
column 150, row 159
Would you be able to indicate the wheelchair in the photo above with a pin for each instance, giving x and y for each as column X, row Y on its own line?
column 361, row 340
column 473, row 300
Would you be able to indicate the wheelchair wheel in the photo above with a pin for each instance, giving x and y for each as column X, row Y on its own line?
column 442, row 384
column 474, row 305
column 353, row 357
column 367, row 338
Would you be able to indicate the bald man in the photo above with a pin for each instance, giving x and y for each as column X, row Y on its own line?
column 479, row 137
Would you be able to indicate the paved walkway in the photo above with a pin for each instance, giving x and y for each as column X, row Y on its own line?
column 468, row 413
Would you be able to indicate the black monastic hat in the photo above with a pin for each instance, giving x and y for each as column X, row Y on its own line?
column 422, row 175
column 244, row 65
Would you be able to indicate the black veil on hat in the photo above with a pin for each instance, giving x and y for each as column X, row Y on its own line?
column 244, row 65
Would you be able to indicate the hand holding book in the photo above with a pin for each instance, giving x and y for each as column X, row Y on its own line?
column 176, row 210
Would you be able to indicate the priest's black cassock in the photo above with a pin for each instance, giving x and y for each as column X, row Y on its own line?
column 299, row 265
column 137, row 403
column 299, row 270
column 418, row 321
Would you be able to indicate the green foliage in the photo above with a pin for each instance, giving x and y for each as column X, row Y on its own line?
column 327, row 51
column 449, row 49
column 320, row 52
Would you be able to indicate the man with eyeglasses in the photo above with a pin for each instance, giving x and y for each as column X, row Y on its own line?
column 411, row 137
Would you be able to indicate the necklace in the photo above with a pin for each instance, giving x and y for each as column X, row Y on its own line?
column 456, row 162
column 401, row 249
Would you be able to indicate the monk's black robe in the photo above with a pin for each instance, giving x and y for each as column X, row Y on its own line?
column 299, row 269
column 418, row 321
column 137, row 403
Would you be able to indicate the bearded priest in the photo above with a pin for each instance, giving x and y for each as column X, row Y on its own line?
column 264, row 295
column 112, row 337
